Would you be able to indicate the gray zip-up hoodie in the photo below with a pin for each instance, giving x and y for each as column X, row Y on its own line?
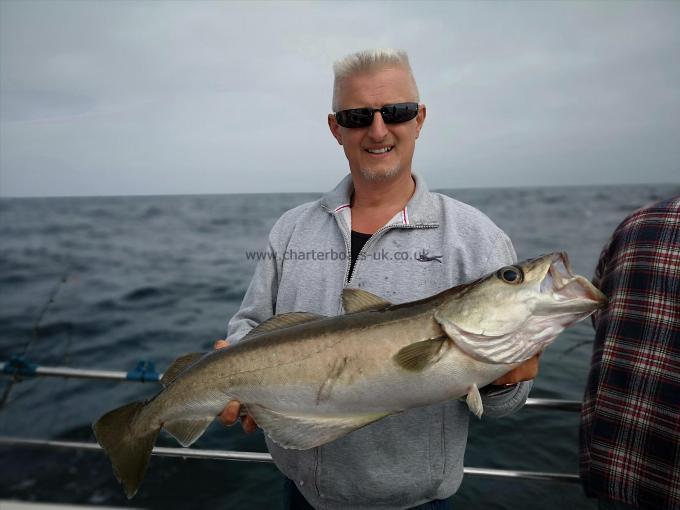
column 434, row 243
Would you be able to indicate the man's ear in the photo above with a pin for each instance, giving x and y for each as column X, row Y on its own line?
column 420, row 118
column 334, row 127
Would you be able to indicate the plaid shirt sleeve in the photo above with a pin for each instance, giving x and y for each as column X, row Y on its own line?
column 630, row 422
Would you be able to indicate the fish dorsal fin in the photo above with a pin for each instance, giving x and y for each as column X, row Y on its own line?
column 357, row 300
column 418, row 356
column 284, row 320
column 301, row 432
column 179, row 365
column 497, row 349
column 188, row 431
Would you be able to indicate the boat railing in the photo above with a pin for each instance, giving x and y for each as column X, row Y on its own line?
column 195, row 453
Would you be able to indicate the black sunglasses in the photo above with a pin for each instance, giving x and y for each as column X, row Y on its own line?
column 363, row 117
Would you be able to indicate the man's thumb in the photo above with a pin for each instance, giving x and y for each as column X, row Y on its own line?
column 221, row 344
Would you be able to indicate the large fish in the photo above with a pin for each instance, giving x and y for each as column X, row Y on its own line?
column 308, row 379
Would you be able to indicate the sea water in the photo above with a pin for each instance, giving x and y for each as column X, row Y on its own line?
column 105, row 282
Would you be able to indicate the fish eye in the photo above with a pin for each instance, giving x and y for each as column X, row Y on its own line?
column 511, row 274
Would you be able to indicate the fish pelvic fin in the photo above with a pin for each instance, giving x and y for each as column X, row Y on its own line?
column 127, row 444
column 474, row 401
column 301, row 432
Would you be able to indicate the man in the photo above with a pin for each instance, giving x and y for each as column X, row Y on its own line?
column 630, row 420
column 378, row 212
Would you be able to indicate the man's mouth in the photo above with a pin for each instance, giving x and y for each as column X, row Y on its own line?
column 381, row 150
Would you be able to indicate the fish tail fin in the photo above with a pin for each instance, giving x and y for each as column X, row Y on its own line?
column 127, row 444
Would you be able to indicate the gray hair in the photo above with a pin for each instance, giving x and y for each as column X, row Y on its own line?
column 367, row 61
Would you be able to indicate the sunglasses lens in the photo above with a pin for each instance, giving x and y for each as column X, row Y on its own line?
column 356, row 118
column 397, row 113
column 363, row 117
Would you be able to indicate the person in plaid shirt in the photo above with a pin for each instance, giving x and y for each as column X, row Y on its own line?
column 630, row 420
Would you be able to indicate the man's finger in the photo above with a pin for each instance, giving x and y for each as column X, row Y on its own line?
column 524, row 372
column 230, row 414
column 249, row 425
column 221, row 344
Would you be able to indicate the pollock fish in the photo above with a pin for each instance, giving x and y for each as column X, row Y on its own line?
column 308, row 379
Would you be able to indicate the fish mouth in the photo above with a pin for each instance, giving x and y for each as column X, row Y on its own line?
column 568, row 291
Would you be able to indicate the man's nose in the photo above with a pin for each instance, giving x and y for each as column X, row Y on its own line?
column 378, row 129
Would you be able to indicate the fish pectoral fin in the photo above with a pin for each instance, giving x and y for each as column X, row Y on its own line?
column 419, row 355
column 301, row 432
column 284, row 320
column 187, row 431
column 178, row 365
column 357, row 300
column 474, row 401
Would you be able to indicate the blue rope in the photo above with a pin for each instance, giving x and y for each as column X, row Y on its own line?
column 18, row 365
column 145, row 371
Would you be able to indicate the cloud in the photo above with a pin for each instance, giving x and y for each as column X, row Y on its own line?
column 210, row 97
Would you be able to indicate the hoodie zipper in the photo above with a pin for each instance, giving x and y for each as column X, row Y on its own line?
column 372, row 241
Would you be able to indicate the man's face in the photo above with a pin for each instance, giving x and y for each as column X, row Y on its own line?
column 374, row 90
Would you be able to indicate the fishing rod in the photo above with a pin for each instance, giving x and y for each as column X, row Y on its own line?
column 34, row 334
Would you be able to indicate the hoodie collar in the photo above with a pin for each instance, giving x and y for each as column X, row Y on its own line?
column 421, row 209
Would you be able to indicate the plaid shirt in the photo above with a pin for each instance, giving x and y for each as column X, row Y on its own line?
column 630, row 422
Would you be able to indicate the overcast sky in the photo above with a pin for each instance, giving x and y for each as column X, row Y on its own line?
column 123, row 97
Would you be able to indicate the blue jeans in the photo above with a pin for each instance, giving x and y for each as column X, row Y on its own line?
column 293, row 500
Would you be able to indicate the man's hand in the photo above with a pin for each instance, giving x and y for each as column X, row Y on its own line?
column 231, row 413
column 524, row 372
